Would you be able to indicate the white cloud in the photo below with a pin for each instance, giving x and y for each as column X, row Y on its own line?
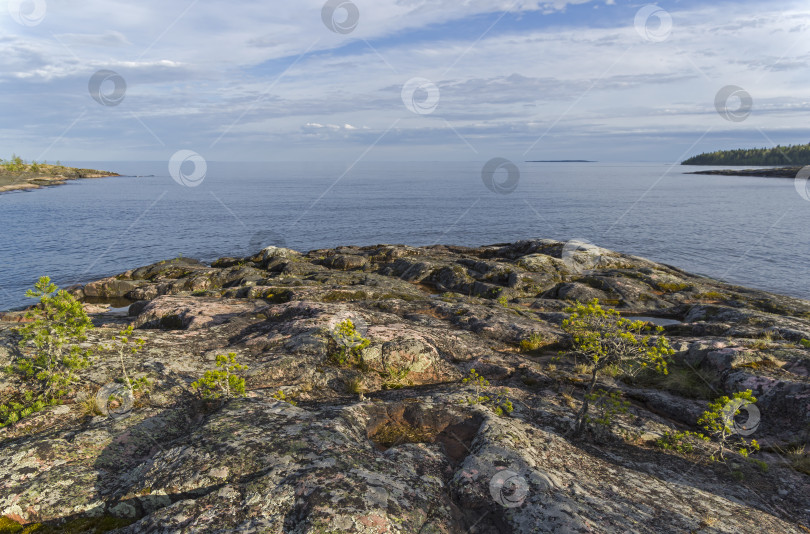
column 106, row 39
column 237, row 68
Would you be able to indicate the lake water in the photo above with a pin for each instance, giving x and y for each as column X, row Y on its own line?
column 751, row 231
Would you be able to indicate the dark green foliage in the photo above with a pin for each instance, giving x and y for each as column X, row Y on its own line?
column 50, row 342
column 25, row 404
column 50, row 348
column 779, row 155
column 51, row 354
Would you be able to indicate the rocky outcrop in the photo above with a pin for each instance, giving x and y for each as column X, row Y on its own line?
column 24, row 177
column 392, row 442
column 776, row 172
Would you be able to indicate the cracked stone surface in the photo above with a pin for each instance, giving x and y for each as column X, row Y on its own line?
column 391, row 443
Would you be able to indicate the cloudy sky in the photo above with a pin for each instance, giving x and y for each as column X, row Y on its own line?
column 610, row 80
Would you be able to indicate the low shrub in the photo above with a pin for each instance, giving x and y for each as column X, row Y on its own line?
column 223, row 383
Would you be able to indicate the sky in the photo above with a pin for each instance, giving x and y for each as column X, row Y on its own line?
column 400, row 80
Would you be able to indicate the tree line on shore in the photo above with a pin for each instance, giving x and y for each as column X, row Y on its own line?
column 791, row 155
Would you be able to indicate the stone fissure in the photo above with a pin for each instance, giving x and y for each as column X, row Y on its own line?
column 394, row 442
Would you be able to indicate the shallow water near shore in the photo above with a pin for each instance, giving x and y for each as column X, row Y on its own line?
column 746, row 230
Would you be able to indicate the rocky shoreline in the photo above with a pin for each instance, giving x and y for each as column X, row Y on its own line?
column 48, row 176
column 776, row 172
column 395, row 445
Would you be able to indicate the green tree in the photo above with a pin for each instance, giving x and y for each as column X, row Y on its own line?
column 51, row 341
column 607, row 404
column 50, row 352
column 779, row 155
column 606, row 339
column 718, row 421
column 224, row 382
column 500, row 403
column 350, row 344
column 124, row 343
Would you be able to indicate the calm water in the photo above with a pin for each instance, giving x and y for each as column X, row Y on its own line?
column 752, row 231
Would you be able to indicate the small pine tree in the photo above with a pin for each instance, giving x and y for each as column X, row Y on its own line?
column 607, row 339
column 222, row 383
column 123, row 343
column 718, row 421
column 499, row 402
column 350, row 343
column 50, row 342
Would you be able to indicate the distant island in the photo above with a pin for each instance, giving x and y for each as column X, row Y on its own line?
column 560, row 161
column 17, row 174
column 782, row 156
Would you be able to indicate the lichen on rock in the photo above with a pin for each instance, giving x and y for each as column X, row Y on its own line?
column 391, row 440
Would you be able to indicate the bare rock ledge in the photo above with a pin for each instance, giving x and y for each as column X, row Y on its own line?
column 373, row 450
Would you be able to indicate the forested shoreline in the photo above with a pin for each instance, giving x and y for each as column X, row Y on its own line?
column 791, row 155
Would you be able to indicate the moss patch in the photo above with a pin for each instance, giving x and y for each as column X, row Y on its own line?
column 681, row 380
column 343, row 296
column 84, row 525
column 672, row 287
column 397, row 433
column 710, row 295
